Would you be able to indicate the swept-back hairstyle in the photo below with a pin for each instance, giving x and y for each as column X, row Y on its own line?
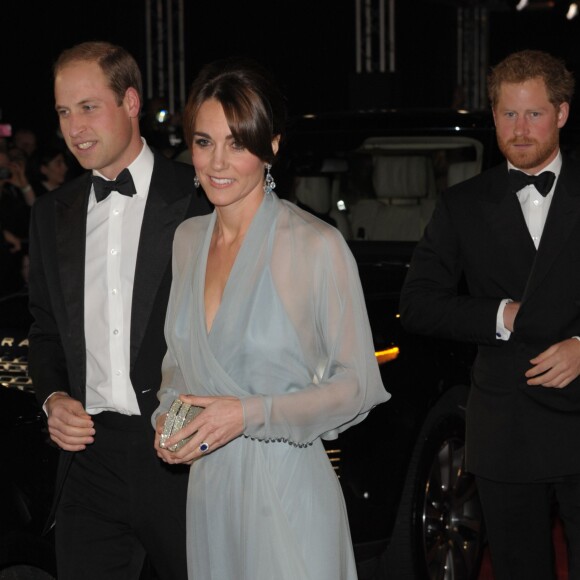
column 533, row 64
column 253, row 105
column 120, row 68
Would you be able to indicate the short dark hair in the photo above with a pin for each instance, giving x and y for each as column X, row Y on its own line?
column 532, row 64
column 253, row 105
column 120, row 68
column 40, row 157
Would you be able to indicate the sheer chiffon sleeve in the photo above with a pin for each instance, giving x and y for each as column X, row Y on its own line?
column 172, row 386
column 317, row 280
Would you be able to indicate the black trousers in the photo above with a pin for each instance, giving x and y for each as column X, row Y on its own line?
column 518, row 518
column 120, row 503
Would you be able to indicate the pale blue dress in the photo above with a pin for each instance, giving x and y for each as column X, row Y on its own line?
column 291, row 339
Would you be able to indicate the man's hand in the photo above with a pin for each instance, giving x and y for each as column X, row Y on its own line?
column 557, row 366
column 14, row 242
column 509, row 314
column 18, row 174
column 69, row 425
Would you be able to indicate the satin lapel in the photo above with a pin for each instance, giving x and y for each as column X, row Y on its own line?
column 503, row 211
column 167, row 204
column 71, row 226
column 563, row 216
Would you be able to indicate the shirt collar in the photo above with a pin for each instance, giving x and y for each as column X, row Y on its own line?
column 141, row 170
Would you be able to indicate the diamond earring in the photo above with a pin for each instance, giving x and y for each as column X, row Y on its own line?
column 196, row 182
column 269, row 183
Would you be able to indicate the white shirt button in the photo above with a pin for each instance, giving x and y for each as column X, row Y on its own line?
column 115, row 212
column 536, row 202
column 115, row 332
column 118, row 372
column 114, row 291
column 113, row 252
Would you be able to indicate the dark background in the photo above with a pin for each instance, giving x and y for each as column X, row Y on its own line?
column 308, row 44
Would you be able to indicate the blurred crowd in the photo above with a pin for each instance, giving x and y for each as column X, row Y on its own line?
column 30, row 168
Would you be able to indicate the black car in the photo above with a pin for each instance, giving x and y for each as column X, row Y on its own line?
column 27, row 460
column 413, row 510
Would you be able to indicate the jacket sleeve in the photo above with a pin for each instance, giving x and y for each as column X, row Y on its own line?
column 431, row 300
column 46, row 365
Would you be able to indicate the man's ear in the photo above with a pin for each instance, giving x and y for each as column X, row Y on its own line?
column 132, row 102
column 563, row 112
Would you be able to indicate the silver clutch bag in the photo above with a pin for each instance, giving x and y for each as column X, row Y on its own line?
column 180, row 414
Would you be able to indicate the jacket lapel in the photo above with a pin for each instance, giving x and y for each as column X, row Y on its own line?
column 71, row 225
column 562, row 219
column 515, row 246
column 167, row 204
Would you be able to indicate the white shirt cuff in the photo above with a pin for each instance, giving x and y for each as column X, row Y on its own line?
column 501, row 332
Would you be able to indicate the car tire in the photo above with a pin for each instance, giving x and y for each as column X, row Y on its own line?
column 24, row 573
column 439, row 531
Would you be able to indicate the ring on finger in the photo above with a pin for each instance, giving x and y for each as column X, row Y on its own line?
column 204, row 447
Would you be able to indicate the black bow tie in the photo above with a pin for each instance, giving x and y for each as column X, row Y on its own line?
column 123, row 184
column 542, row 182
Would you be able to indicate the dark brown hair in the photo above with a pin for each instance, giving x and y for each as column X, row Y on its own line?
column 117, row 64
column 533, row 64
column 253, row 105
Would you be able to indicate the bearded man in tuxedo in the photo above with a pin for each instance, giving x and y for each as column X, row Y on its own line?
column 513, row 234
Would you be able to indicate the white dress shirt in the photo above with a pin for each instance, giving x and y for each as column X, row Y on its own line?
column 113, row 231
column 535, row 208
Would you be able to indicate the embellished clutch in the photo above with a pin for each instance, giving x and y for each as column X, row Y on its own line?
column 180, row 414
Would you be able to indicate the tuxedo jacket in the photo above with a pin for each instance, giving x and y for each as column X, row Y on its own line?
column 478, row 235
column 57, row 353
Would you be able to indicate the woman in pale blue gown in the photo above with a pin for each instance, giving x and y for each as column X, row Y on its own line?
column 267, row 331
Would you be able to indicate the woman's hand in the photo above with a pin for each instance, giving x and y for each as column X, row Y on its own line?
column 163, row 454
column 221, row 421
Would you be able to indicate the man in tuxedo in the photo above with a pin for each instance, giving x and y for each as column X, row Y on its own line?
column 515, row 240
column 100, row 273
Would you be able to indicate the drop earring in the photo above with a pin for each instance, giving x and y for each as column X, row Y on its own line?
column 269, row 183
column 196, row 182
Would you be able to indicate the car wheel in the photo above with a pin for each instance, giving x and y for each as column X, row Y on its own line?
column 439, row 531
column 24, row 573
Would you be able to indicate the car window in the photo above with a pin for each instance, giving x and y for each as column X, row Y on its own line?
column 386, row 187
